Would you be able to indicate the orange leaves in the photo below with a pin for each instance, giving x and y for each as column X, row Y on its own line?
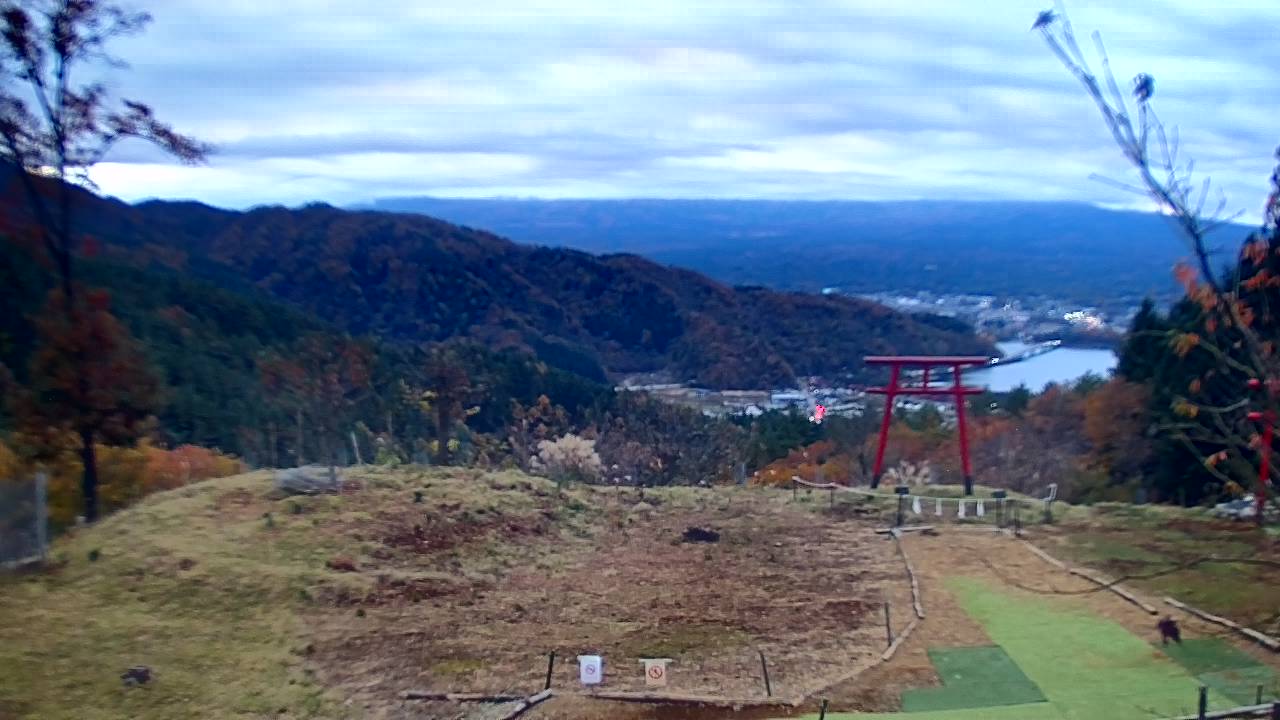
column 1256, row 251
column 1185, row 409
column 1195, row 386
column 167, row 469
column 126, row 474
column 805, row 463
column 1184, row 343
column 1204, row 297
column 1114, row 411
column 1186, row 276
column 1245, row 313
column 1262, row 279
column 1215, row 459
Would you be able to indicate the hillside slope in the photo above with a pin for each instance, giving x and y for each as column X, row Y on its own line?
column 246, row 604
column 415, row 278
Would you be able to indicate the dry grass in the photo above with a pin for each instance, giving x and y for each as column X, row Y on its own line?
column 1146, row 540
column 330, row 606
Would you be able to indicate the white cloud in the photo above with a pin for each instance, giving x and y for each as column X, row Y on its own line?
column 315, row 100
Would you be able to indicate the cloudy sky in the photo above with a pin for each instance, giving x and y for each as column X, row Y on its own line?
column 858, row 99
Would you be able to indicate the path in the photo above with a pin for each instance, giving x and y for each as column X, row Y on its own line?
column 1091, row 655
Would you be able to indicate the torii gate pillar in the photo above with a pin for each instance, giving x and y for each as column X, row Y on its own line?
column 957, row 391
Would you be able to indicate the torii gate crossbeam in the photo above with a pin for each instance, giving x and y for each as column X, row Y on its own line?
column 957, row 391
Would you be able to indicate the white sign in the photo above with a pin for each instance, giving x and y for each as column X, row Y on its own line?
column 655, row 671
column 590, row 669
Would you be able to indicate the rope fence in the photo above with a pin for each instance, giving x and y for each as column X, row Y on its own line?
column 942, row 507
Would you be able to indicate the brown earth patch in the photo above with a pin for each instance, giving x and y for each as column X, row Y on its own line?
column 617, row 581
column 239, row 503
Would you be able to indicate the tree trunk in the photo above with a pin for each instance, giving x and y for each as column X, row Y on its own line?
column 89, row 480
column 443, row 423
column 297, row 451
column 275, row 446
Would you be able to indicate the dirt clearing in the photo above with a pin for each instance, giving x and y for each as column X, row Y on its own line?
column 604, row 571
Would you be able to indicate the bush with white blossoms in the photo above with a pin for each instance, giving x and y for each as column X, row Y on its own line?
column 908, row 474
column 568, row 458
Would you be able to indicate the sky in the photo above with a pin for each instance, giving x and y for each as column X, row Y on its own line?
column 312, row 100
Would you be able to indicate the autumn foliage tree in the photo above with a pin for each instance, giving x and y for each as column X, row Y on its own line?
column 530, row 426
column 323, row 384
column 1235, row 329
column 88, row 381
column 446, row 392
column 52, row 126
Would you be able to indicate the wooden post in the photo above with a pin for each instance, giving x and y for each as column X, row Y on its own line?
column 793, row 489
column 822, row 710
column 832, row 498
column 42, row 514
column 356, row 447
column 888, row 627
column 1259, row 700
column 551, row 663
column 1204, row 703
column 764, row 667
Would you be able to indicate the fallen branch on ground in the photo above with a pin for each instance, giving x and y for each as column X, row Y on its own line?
column 712, row 700
column 1103, row 582
column 911, row 575
column 525, row 704
column 897, row 642
column 908, row 528
column 458, row 697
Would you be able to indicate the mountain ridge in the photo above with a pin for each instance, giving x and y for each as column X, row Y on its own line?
column 418, row 279
column 1071, row 250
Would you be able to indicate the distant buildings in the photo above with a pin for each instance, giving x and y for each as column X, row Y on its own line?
column 1014, row 317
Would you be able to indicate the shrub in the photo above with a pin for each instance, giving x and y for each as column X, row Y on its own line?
column 125, row 474
column 568, row 458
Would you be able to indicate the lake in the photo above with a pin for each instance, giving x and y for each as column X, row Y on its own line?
column 1062, row 365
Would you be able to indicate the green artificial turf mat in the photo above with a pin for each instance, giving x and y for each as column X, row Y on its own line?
column 1087, row 667
column 1241, row 684
column 1204, row 655
column 973, row 677
column 1224, row 668
column 1208, row 655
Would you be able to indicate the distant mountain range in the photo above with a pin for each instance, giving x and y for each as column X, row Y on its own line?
column 405, row 277
column 1071, row 251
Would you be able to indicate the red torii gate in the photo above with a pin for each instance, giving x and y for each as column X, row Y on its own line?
column 958, row 391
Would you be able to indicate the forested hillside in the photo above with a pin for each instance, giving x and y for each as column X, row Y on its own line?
column 413, row 278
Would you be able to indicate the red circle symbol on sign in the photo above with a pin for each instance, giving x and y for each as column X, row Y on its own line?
column 655, row 671
column 590, row 669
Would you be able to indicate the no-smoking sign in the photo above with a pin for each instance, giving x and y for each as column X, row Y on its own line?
column 655, row 671
column 590, row 669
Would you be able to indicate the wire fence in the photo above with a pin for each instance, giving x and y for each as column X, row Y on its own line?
column 24, row 520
